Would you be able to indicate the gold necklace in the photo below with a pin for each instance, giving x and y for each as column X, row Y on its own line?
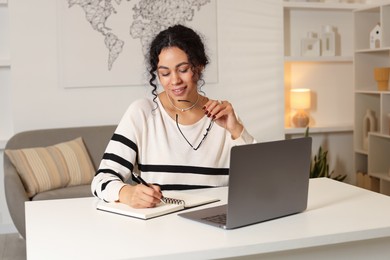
column 183, row 109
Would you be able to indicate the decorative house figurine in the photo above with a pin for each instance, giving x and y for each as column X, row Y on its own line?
column 310, row 45
column 328, row 41
column 369, row 125
column 375, row 37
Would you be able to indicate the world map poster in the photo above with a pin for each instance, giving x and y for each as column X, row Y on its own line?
column 103, row 42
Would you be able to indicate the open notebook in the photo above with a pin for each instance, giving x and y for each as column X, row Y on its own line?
column 175, row 201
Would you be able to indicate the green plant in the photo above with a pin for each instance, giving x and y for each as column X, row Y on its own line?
column 319, row 166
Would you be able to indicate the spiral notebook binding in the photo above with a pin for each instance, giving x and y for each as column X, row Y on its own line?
column 173, row 201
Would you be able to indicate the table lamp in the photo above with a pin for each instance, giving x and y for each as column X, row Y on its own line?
column 300, row 101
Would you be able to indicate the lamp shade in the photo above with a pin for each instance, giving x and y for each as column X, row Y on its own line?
column 300, row 98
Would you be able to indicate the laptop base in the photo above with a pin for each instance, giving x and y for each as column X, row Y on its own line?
column 211, row 216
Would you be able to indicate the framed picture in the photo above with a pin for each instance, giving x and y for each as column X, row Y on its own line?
column 103, row 43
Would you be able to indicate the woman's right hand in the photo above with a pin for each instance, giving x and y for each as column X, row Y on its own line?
column 140, row 196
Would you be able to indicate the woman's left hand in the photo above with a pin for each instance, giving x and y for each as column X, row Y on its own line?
column 222, row 113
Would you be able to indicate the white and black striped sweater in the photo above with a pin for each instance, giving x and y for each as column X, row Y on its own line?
column 148, row 142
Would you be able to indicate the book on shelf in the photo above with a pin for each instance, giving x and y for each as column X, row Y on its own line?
column 174, row 201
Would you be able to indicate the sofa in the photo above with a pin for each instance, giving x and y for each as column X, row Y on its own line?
column 95, row 140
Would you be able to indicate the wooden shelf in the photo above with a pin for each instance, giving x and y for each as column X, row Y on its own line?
column 380, row 175
column 361, row 151
column 379, row 135
column 373, row 50
column 318, row 59
column 372, row 92
column 318, row 129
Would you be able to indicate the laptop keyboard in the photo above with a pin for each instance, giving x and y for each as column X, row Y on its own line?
column 219, row 219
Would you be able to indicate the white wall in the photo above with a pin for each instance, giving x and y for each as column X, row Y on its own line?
column 250, row 69
column 250, row 57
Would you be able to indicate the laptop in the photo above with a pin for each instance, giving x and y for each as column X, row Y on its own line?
column 266, row 181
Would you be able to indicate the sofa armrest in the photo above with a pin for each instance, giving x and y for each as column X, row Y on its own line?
column 16, row 196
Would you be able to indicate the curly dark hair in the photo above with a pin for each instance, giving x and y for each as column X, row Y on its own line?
column 185, row 39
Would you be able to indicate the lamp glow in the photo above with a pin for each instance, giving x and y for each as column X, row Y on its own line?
column 300, row 101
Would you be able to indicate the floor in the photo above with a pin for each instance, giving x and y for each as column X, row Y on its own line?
column 12, row 247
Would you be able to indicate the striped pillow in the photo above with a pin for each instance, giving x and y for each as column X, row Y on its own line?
column 53, row 167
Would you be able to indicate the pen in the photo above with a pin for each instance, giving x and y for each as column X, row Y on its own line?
column 146, row 184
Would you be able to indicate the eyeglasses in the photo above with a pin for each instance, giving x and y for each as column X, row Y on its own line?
column 204, row 136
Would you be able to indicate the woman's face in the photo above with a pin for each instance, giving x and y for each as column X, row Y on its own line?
column 175, row 74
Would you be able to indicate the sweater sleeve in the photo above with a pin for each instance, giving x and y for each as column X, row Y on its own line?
column 244, row 138
column 119, row 158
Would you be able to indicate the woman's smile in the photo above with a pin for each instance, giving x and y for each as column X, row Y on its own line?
column 179, row 91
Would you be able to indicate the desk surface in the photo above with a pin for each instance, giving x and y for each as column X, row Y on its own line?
column 74, row 229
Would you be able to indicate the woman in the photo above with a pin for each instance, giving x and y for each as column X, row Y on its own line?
column 180, row 139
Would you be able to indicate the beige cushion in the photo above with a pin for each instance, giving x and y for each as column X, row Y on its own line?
column 53, row 167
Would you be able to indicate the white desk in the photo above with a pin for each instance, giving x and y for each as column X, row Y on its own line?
column 341, row 222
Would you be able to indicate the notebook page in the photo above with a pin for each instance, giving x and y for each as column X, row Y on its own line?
column 144, row 213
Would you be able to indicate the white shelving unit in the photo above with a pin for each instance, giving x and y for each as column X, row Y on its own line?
column 374, row 160
column 330, row 78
